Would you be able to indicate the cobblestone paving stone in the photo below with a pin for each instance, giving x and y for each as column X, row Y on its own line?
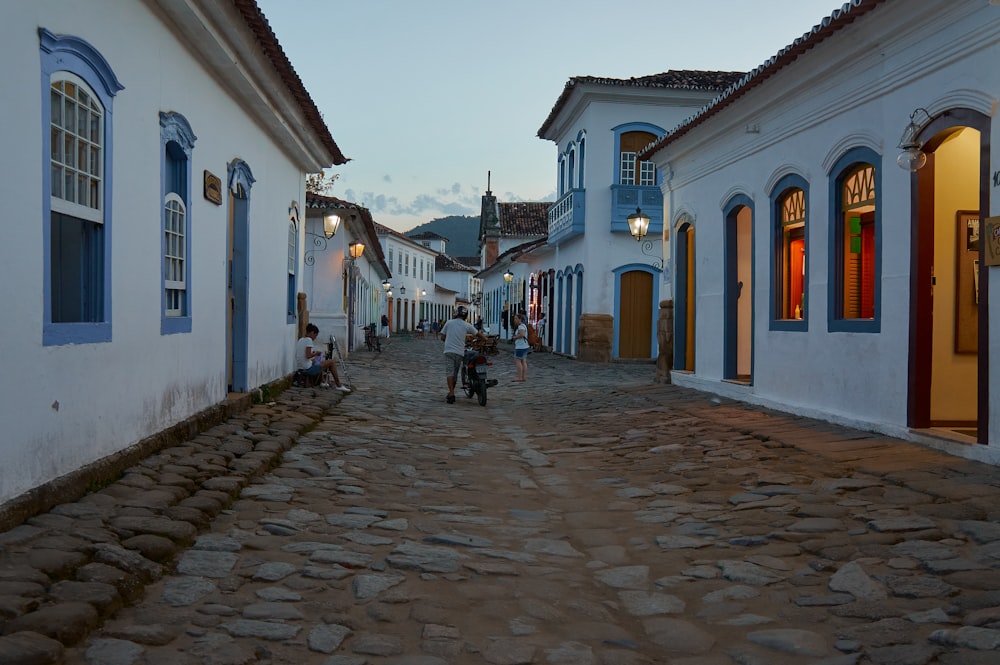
column 587, row 516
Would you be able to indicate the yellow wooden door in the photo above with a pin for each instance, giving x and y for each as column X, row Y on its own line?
column 635, row 314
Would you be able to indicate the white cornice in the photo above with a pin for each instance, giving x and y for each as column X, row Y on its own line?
column 859, row 139
column 865, row 65
column 216, row 33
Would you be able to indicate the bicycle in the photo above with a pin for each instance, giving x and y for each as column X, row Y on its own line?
column 372, row 340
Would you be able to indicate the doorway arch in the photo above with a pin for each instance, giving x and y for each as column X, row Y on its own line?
column 636, row 296
column 948, row 359
column 684, row 310
column 737, row 362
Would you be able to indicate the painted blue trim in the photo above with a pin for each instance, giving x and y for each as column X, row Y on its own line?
column 616, row 334
column 790, row 181
column 567, row 344
column 174, row 128
column 626, row 198
column 571, row 211
column 240, row 175
column 71, row 54
column 618, row 130
column 76, row 56
column 291, row 315
column 850, row 159
column 681, row 299
column 578, row 309
column 581, row 140
column 731, row 294
column 291, row 303
column 240, row 180
column 557, row 318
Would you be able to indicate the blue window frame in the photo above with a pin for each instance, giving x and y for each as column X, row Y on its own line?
column 789, row 264
column 293, row 253
column 176, row 145
column 630, row 138
column 855, row 293
column 78, row 88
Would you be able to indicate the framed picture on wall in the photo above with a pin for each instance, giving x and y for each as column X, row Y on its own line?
column 967, row 282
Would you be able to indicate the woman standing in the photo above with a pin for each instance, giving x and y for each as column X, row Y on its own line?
column 521, row 348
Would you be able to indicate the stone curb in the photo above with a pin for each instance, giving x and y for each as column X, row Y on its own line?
column 63, row 571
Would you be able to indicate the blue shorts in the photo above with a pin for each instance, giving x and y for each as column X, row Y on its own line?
column 314, row 370
column 521, row 353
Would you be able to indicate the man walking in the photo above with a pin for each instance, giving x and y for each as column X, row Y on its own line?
column 453, row 333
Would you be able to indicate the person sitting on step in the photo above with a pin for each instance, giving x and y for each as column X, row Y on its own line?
column 311, row 363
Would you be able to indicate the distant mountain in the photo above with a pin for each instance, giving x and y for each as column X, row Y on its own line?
column 462, row 232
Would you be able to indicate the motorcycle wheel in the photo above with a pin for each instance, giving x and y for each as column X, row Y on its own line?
column 468, row 384
column 482, row 393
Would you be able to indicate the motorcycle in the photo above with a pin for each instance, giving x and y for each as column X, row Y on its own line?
column 474, row 375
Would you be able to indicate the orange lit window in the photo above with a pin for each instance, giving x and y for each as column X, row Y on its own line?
column 791, row 303
column 857, row 240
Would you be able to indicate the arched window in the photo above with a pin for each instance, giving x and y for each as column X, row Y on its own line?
column 789, row 203
column 855, row 242
column 175, row 264
column 177, row 142
column 76, row 140
column 293, row 246
column 631, row 171
column 857, row 239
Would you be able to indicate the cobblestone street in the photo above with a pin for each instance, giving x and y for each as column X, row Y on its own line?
column 587, row 516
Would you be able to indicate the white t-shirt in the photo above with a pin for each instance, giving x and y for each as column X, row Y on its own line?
column 454, row 332
column 301, row 347
column 521, row 342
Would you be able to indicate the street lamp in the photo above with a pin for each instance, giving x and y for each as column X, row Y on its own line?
column 638, row 224
column 354, row 250
column 913, row 157
column 386, row 285
column 331, row 223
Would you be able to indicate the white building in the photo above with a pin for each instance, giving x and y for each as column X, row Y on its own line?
column 812, row 273
column 599, row 291
column 152, row 248
column 414, row 295
column 507, row 231
column 344, row 271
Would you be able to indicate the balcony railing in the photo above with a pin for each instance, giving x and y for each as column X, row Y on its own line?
column 626, row 198
column 566, row 216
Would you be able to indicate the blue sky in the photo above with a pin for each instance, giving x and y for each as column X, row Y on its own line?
column 427, row 96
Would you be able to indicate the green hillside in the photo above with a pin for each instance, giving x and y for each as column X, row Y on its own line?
column 461, row 231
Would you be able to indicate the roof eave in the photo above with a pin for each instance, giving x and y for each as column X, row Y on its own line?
column 838, row 20
column 236, row 44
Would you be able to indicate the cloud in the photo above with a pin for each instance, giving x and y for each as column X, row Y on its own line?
column 456, row 199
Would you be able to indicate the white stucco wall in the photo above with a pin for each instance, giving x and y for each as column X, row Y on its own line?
column 66, row 406
column 842, row 93
column 599, row 251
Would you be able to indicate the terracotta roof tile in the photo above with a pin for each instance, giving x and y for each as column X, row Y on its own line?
column 522, row 219
column 838, row 20
column 268, row 43
column 320, row 202
column 445, row 262
column 677, row 79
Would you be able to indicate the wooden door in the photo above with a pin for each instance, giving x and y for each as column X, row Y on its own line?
column 635, row 315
